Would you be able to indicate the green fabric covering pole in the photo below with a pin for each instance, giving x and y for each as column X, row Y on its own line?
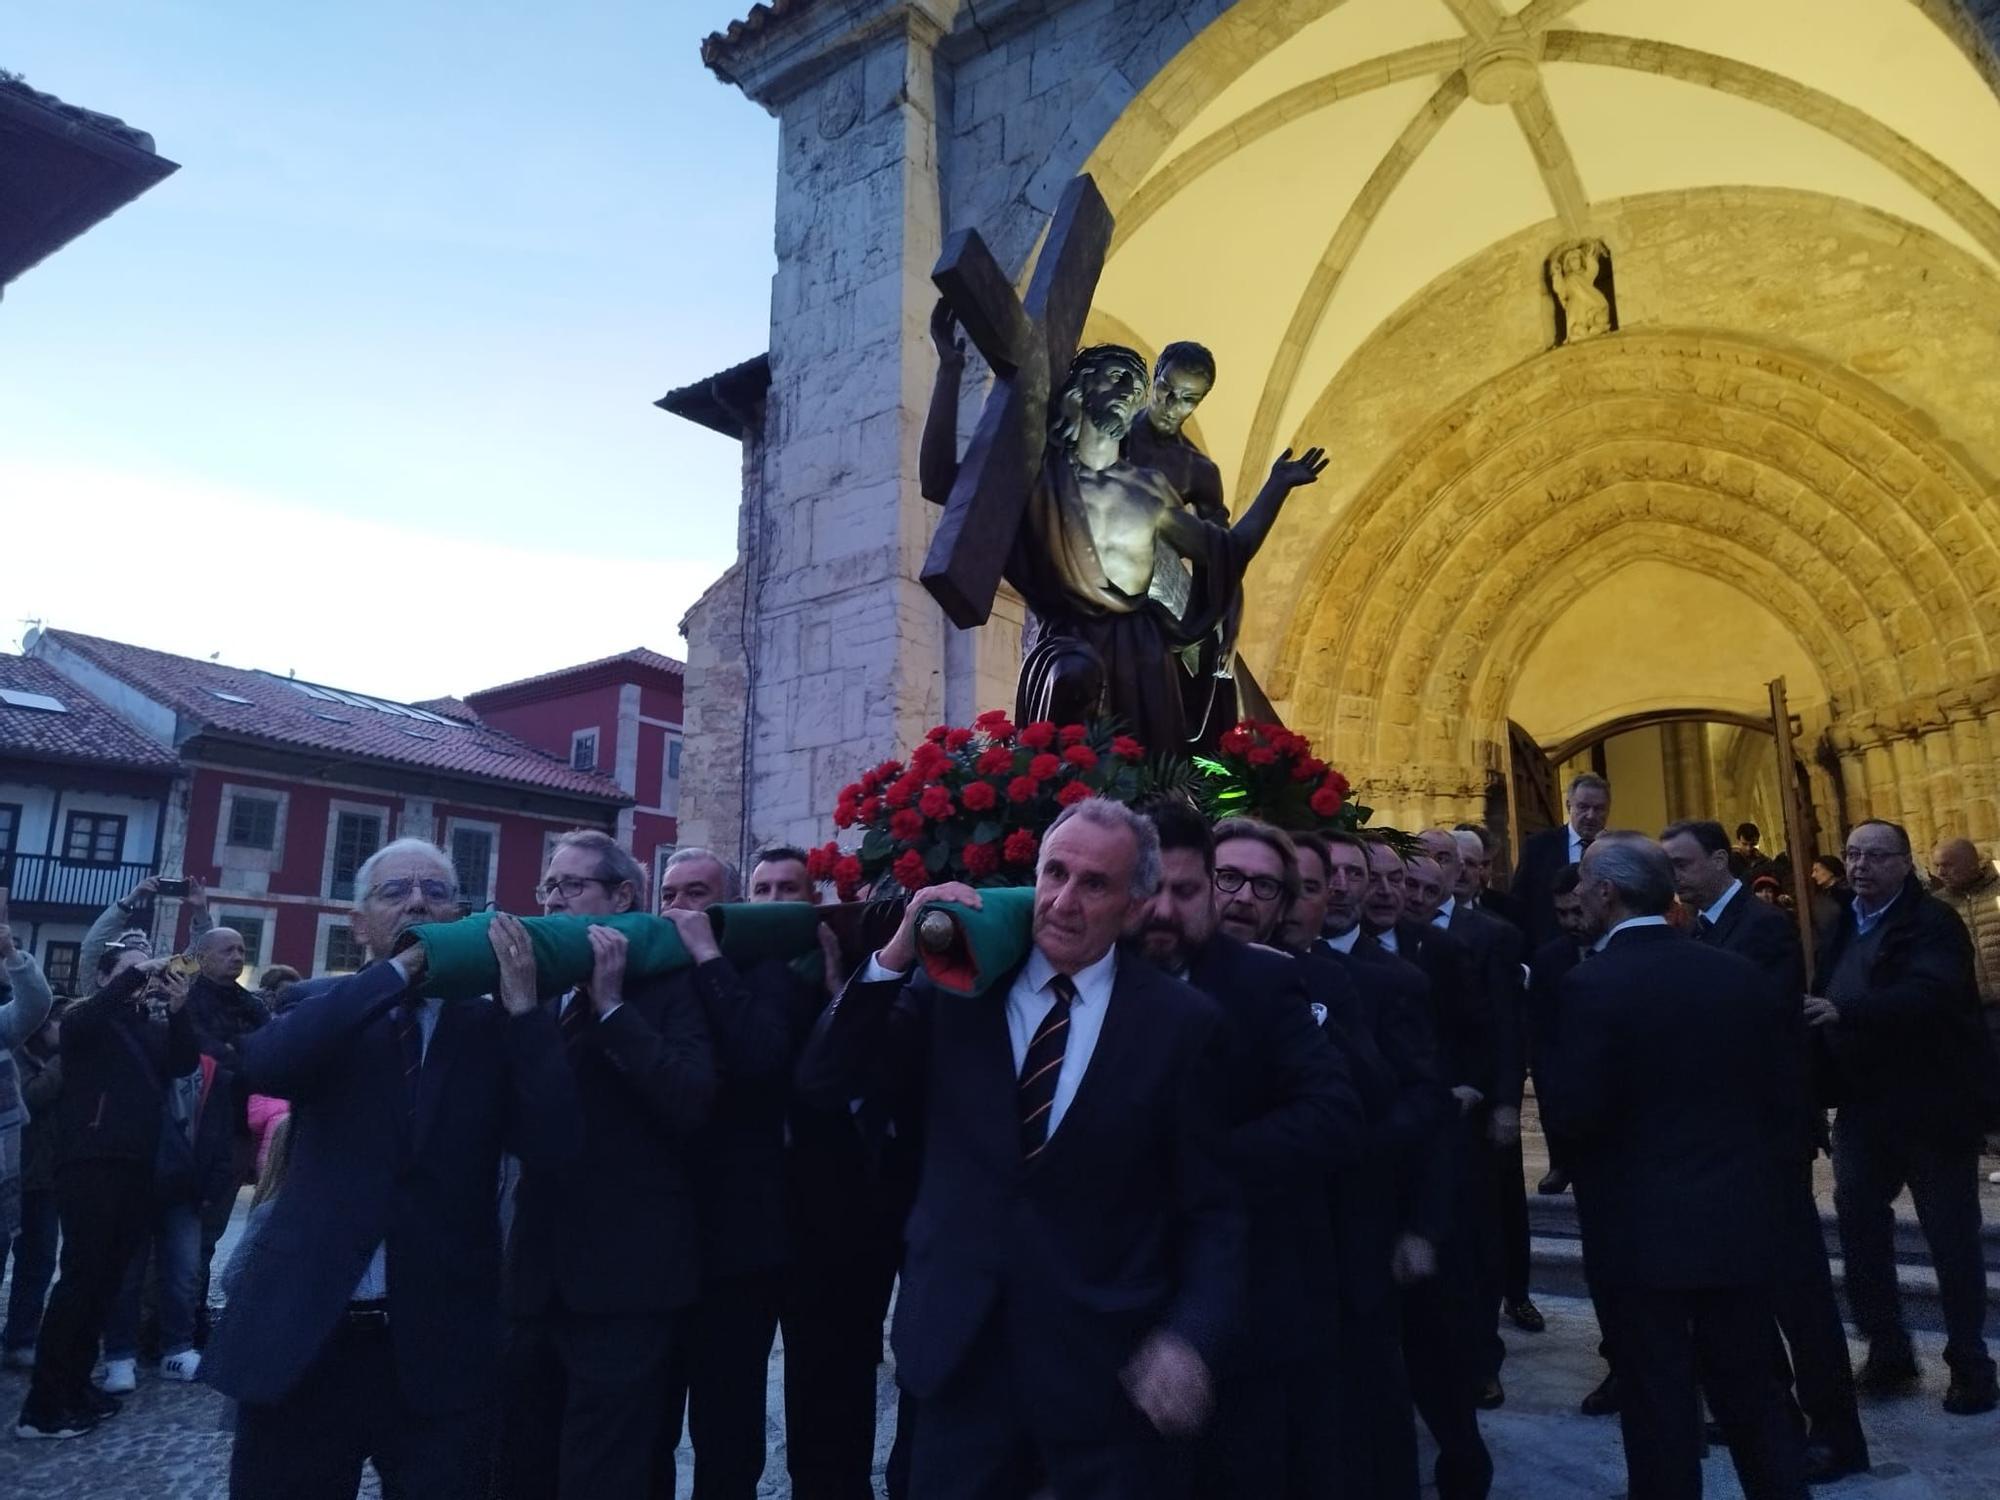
column 984, row 945
column 461, row 963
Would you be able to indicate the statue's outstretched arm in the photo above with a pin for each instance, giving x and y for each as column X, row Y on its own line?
column 937, row 455
column 1287, row 474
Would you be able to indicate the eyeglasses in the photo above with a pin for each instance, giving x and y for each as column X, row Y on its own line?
column 570, row 885
column 397, row 890
column 1873, row 856
column 1263, row 887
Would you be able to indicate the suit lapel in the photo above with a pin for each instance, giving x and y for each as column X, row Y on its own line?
column 437, row 1059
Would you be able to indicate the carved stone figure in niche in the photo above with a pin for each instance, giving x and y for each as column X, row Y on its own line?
column 1580, row 278
column 1183, row 376
column 1098, row 553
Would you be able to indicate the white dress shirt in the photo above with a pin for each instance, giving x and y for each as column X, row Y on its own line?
column 1602, row 943
column 1387, row 938
column 1346, row 941
column 1443, row 917
column 1714, row 913
column 1575, row 845
column 1030, row 1000
column 374, row 1283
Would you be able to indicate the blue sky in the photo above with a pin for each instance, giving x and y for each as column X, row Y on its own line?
column 364, row 390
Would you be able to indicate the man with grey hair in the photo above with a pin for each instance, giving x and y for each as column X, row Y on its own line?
column 1678, row 1205
column 365, row 1324
column 696, row 879
column 1586, row 808
column 1075, row 1254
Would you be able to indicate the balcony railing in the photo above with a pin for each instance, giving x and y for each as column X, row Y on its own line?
column 38, row 878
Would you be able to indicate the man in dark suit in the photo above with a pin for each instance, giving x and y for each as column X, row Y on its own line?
column 1812, row 1354
column 602, row 1255
column 1293, row 1118
column 719, row 1371
column 1440, row 1269
column 1499, row 954
column 1587, row 805
column 1678, row 1204
column 1378, row 1008
column 1898, row 1034
column 1476, row 844
column 366, row 1322
column 1074, row 1265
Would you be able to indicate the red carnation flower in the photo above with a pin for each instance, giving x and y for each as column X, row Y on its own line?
column 820, row 862
column 1262, row 755
column 935, row 735
column 902, row 791
column 1042, row 767
column 1072, row 792
column 981, row 859
column 935, row 802
column 869, row 807
column 995, row 761
column 869, row 780
column 978, row 796
column 958, row 739
column 1073, row 734
column 988, row 719
column 1022, row 789
column 1082, row 757
column 909, row 870
column 999, row 731
column 844, row 814
column 1039, row 735
column 906, row 824
column 1326, row 802
column 852, row 792
column 847, row 877
column 1234, row 741
column 1127, row 748
column 1338, row 784
column 888, row 771
column 1309, row 769
column 927, row 760
column 1019, row 848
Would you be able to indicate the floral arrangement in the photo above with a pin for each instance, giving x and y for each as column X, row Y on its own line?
column 1267, row 771
column 972, row 804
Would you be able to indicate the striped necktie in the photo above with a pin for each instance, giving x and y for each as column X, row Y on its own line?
column 410, row 1032
column 576, row 1015
column 1042, row 1066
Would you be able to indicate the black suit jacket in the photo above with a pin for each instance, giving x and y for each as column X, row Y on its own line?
column 366, row 1170
column 1498, row 951
column 1553, row 960
column 1913, row 1045
column 1293, row 1116
column 1666, row 1077
column 1128, row 1222
column 738, row 1161
column 614, row 1230
column 1469, row 1046
column 1768, row 937
column 1544, row 856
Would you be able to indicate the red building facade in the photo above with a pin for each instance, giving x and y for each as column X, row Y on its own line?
column 284, row 788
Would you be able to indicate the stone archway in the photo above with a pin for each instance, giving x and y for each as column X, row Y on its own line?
column 1802, row 487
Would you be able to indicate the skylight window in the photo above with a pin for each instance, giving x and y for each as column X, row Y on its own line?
column 362, row 700
column 229, row 697
column 41, row 702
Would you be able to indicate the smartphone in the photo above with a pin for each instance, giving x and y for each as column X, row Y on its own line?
column 184, row 966
column 168, row 887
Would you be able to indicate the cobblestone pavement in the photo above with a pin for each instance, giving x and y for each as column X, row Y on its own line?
column 168, row 1444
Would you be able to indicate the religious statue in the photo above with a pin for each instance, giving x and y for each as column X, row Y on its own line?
column 1573, row 272
column 1098, row 551
column 1183, row 376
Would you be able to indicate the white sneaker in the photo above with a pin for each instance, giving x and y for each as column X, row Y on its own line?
column 121, row 1377
column 1993, row 1176
column 183, row 1366
column 18, row 1359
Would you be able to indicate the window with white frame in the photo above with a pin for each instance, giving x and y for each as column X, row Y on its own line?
column 253, row 821
column 583, row 750
column 475, row 859
column 353, row 833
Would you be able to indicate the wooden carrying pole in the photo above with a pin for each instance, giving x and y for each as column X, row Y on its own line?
column 1798, row 827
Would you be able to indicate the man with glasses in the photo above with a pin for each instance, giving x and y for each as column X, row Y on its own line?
column 1293, row 1119
column 603, row 1253
column 1897, row 1023
column 365, row 1324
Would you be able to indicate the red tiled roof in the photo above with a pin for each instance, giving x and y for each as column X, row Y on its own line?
column 638, row 656
column 717, row 46
column 281, row 711
column 88, row 734
column 450, row 707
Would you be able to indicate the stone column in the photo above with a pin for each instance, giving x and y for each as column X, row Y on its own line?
column 845, row 651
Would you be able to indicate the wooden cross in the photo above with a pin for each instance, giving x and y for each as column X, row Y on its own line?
column 1029, row 344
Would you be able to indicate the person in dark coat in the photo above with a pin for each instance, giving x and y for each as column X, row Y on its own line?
column 1293, row 1120
column 39, row 1062
column 1811, row 1343
column 1672, row 1072
column 1074, row 1266
column 720, row 1370
column 1903, row 1053
column 365, row 1326
column 1586, row 807
column 118, row 1055
column 603, row 1254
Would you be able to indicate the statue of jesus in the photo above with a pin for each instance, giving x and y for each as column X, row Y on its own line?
column 1097, row 557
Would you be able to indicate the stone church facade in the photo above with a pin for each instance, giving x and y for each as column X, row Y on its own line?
column 1656, row 344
